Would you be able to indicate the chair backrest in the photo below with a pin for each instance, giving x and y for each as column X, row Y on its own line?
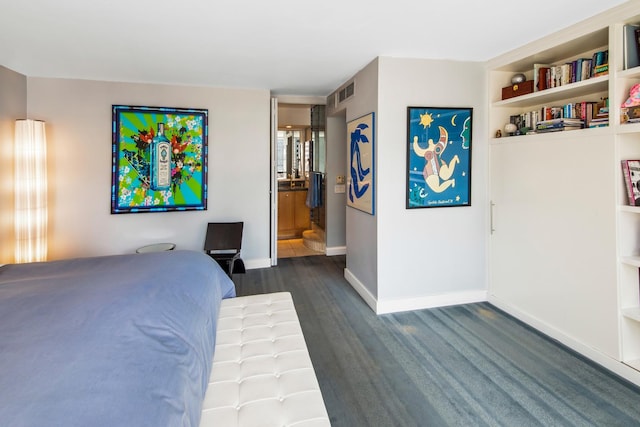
column 222, row 236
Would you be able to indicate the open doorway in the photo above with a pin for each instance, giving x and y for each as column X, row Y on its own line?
column 300, row 169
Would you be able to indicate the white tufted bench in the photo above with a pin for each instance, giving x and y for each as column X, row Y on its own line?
column 262, row 374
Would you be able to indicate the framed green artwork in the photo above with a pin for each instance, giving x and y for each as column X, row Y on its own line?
column 159, row 159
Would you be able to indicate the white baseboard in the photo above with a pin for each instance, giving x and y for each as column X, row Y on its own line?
column 360, row 289
column 336, row 250
column 251, row 264
column 431, row 301
column 598, row 357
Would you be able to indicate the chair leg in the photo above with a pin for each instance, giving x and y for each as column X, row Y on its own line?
column 230, row 268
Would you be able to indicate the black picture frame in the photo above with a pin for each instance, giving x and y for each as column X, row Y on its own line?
column 159, row 159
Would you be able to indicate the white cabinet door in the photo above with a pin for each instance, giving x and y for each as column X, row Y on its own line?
column 553, row 250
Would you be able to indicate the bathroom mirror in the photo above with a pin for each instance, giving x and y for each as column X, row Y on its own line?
column 292, row 154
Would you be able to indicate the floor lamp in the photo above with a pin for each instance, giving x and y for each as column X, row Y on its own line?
column 30, row 179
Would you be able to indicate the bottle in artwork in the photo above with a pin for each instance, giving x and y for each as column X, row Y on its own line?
column 160, row 160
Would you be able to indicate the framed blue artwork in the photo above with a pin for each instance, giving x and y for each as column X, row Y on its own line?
column 360, row 182
column 438, row 157
column 159, row 159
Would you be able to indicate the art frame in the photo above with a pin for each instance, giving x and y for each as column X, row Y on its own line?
column 438, row 173
column 361, row 179
column 159, row 159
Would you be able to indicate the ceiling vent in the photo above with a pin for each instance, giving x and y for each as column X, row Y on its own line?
column 346, row 92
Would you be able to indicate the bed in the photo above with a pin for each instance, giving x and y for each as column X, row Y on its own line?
column 124, row 340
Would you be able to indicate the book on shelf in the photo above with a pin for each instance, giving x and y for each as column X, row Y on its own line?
column 598, row 121
column 571, row 116
column 566, row 121
column 600, row 58
column 631, row 174
column 547, row 76
column 540, row 76
column 550, row 113
column 601, row 114
column 584, row 111
column 601, row 70
column 630, row 58
column 558, row 129
column 582, row 67
column 600, row 63
column 599, row 125
column 637, row 40
column 555, row 125
column 586, row 69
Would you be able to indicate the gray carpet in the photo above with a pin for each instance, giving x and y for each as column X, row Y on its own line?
column 467, row 365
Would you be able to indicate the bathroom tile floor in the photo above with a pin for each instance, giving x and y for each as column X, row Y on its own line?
column 294, row 248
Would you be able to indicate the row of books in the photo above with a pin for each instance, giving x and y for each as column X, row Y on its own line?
column 561, row 124
column 577, row 115
column 569, row 124
column 546, row 76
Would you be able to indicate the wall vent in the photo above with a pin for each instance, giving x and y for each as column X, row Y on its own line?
column 346, row 92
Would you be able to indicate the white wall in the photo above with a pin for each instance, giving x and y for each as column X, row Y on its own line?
column 78, row 116
column 403, row 259
column 553, row 254
column 336, row 137
column 432, row 256
column 298, row 116
column 361, row 228
column 13, row 105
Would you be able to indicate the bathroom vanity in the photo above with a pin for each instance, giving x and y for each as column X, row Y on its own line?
column 293, row 213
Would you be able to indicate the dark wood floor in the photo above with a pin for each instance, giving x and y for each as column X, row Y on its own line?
column 468, row 365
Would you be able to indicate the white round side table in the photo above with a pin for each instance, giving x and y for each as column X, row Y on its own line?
column 156, row 247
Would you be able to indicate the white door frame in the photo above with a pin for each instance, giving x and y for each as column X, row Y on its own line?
column 274, row 182
column 285, row 99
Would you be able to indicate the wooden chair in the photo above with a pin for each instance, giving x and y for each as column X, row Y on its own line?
column 223, row 243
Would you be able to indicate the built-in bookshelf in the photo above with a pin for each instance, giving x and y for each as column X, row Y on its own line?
column 608, row 242
column 575, row 86
column 627, row 144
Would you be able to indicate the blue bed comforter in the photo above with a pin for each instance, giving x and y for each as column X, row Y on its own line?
column 122, row 340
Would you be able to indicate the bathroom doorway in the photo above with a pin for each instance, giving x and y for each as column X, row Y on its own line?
column 300, row 155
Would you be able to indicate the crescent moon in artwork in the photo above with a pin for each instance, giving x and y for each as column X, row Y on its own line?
column 453, row 119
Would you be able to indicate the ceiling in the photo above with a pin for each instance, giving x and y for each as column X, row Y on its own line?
column 290, row 47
